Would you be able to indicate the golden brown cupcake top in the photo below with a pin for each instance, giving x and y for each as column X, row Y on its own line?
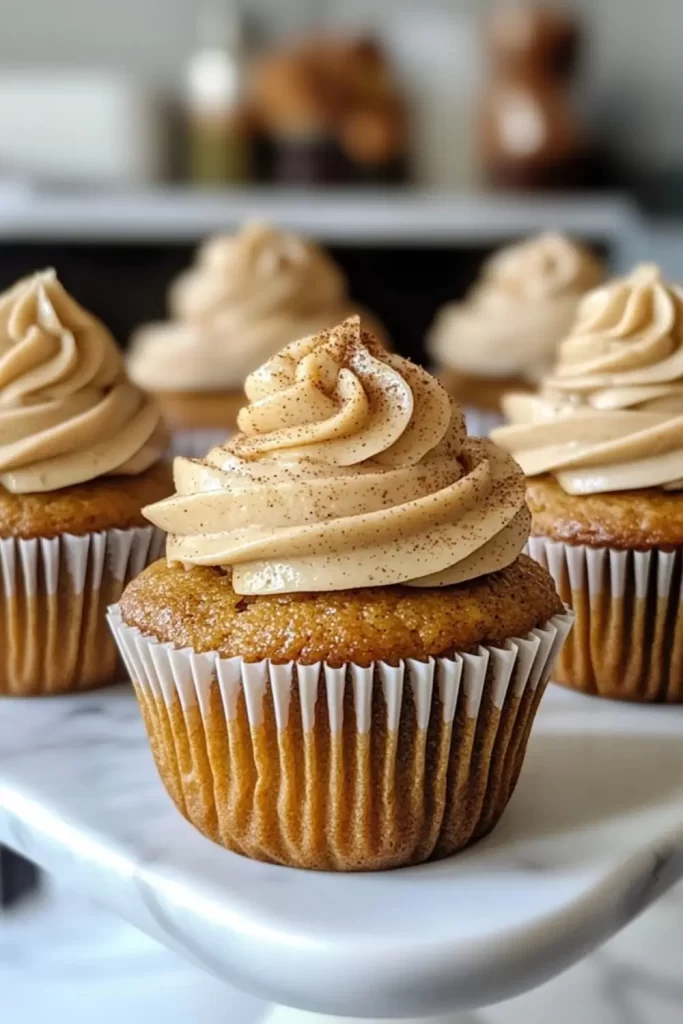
column 623, row 520
column 610, row 416
column 68, row 413
column 107, row 503
column 247, row 296
column 513, row 319
column 352, row 468
column 199, row 608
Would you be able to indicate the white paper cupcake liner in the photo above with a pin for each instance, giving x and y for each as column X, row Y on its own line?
column 628, row 639
column 182, row 674
column 55, row 592
column 451, row 730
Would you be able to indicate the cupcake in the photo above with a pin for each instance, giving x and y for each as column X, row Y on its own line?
column 340, row 661
column 248, row 295
column 602, row 446
column 80, row 454
column 503, row 336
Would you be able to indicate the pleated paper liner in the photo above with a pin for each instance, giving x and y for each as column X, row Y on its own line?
column 627, row 642
column 341, row 768
column 53, row 632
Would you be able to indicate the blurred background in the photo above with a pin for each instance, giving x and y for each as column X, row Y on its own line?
column 411, row 140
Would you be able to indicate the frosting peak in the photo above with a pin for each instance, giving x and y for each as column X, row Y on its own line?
column 610, row 416
column 352, row 469
column 624, row 334
column 67, row 411
column 539, row 268
column 340, row 398
column 247, row 296
column 279, row 271
column 524, row 303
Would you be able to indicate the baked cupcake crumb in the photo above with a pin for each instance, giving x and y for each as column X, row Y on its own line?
column 198, row 608
column 624, row 520
column 108, row 502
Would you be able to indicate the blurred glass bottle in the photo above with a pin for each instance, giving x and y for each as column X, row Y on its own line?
column 216, row 130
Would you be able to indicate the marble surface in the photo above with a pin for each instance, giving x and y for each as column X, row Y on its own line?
column 65, row 961
column 593, row 835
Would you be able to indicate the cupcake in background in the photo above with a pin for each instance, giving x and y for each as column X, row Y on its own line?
column 80, row 454
column 504, row 334
column 247, row 296
column 602, row 446
column 340, row 662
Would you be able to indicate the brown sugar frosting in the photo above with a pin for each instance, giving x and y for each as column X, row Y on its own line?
column 262, row 270
column 68, row 413
column 524, row 304
column 352, row 468
column 247, row 295
column 610, row 415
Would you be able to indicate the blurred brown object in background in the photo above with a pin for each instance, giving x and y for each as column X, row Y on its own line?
column 331, row 112
column 530, row 133
column 294, row 121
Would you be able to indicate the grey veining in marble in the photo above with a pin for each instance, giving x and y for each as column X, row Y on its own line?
column 593, row 835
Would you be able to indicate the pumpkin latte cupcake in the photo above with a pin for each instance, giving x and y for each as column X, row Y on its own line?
column 247, row 295
column 341, row 659
column 602, row 445
column 80, row 451
column 503, row 336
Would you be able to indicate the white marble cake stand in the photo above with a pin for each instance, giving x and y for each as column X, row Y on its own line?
column 593, row 835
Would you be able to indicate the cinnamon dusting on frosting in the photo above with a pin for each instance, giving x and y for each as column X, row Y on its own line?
column 610, row 416
column 352, row 469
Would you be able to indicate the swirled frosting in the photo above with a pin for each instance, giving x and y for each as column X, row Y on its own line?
column 68, row 413
column 248, row 295
column 352, row 468
column 610, row 416
column 512, row 320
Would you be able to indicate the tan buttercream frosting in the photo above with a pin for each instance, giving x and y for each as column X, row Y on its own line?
column 352, row 468
column 248, row 295
column 524, row 304
column 610, row 416
column 68, row 413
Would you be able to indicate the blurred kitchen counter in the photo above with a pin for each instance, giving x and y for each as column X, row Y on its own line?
column 350, row 216
column 405, row 252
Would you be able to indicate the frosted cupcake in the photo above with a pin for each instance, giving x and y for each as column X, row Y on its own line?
column 247, row 296
column 341, row 659
column 602, row 445
column 504, row 334
column 80, row 451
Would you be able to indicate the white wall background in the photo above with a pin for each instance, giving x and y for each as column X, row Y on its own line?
column 633, row 69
